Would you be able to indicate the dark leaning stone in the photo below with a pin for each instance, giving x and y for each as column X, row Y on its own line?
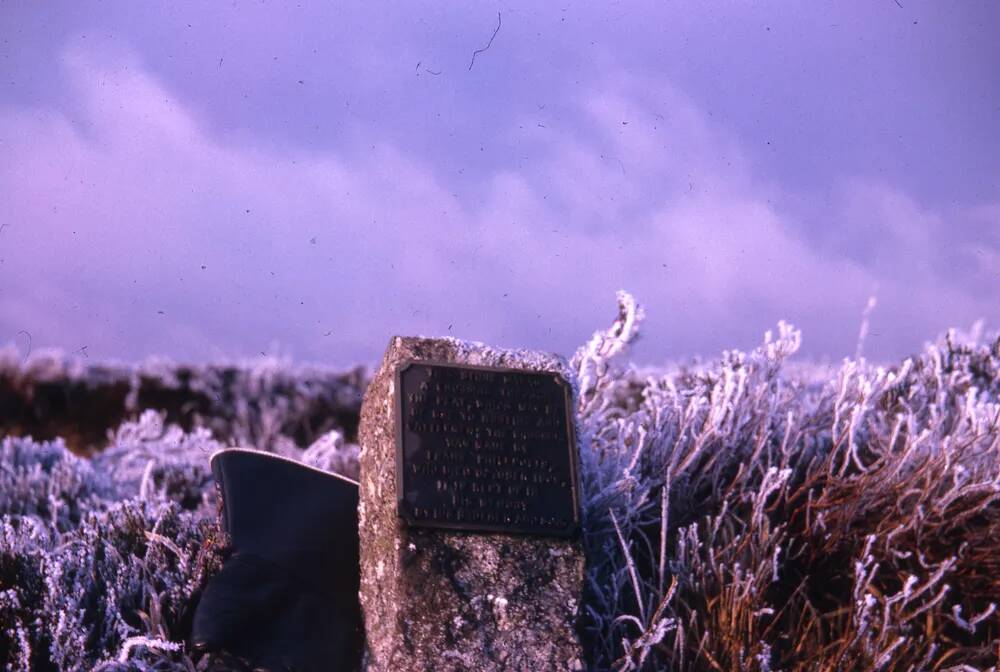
column 286, row 597
column 465, row 570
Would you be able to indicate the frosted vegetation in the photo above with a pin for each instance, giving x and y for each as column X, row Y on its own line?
column 744, row 514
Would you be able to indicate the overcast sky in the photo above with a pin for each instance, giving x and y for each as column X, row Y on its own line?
column 209, row 180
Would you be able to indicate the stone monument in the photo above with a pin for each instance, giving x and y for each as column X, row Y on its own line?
column 469, row 510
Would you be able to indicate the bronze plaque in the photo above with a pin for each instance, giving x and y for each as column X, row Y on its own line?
column 485, row 449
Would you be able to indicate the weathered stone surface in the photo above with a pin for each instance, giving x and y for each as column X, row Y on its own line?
column 445, row 600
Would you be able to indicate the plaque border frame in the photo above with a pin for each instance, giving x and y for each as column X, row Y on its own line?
column 570, row 531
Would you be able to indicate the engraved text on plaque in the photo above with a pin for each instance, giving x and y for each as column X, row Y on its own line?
column 485, row 449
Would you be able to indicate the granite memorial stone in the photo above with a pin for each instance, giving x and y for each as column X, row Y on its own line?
column 469, row 510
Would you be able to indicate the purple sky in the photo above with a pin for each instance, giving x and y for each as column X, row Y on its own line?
column 209, row 180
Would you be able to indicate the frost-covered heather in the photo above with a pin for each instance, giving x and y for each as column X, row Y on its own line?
column 100, row 559
column 746, row 514
column 266, row 402
column 742, row 516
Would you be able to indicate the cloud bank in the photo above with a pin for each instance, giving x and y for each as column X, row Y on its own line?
column 131, row 227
